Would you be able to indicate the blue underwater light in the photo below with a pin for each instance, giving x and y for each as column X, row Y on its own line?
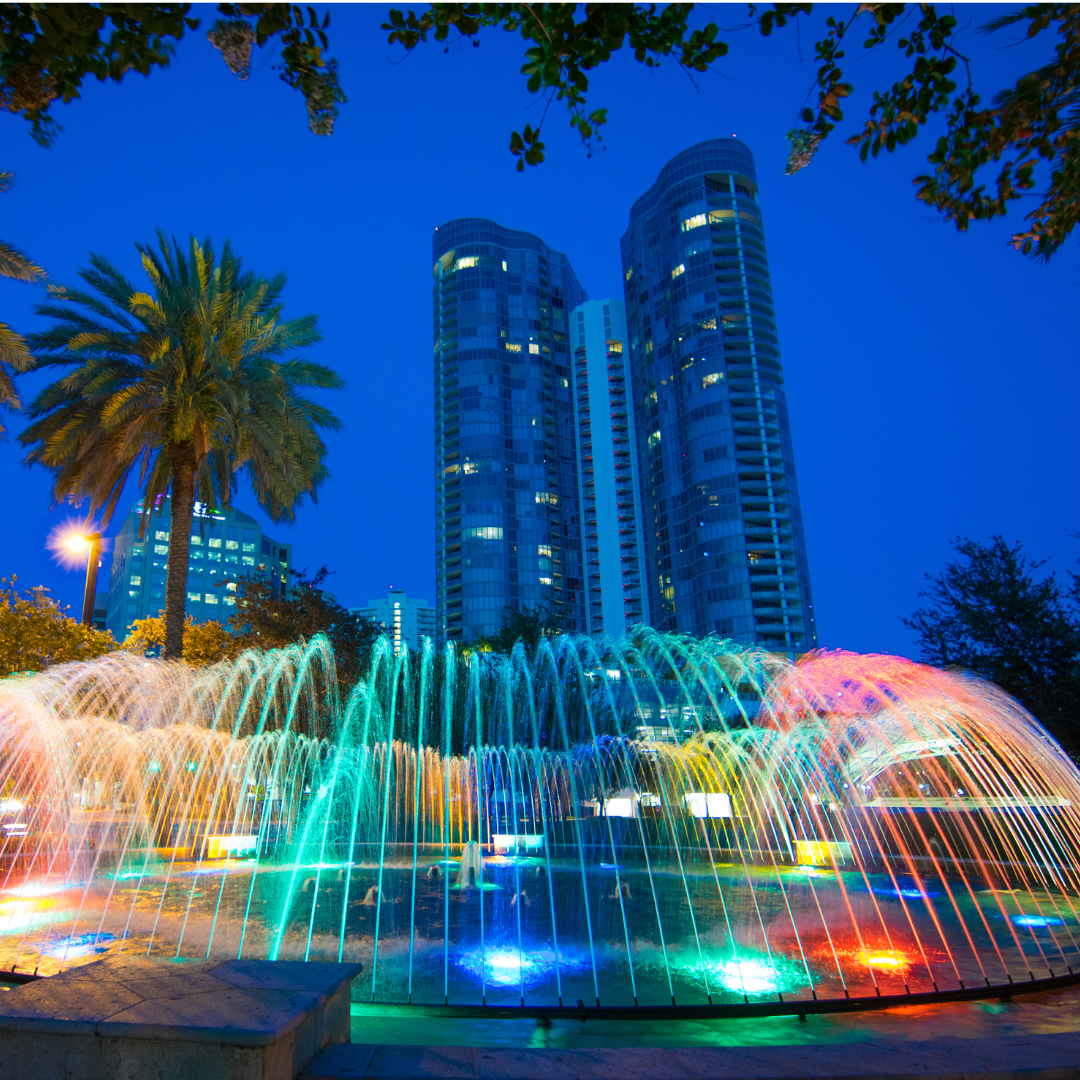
column 1037, row 921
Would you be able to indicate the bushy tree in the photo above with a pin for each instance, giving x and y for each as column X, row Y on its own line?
column 204, row 643
column 1036, row 120
column 529, row 625
column 266, row 618
column 35, row 633
column 47, row 50
column 14, row 355
column 179, row 391
column 990, row 613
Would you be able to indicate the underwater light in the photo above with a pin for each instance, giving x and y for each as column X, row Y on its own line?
column 70, row 948
column 750, row 974
column 883, row 961
column 907, row 894
column 508, row 967
column 1037, row 920
column 747, row 977
column 27, row 892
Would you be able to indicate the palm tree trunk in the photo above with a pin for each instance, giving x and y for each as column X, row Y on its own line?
column 183, row 503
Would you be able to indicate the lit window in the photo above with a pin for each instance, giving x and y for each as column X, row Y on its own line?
column 133, row 592
column 231, row 586
column 545, row 581
column 136, row 579
column 231, row 559
column 716, row 216
column 629, row 273
column 161, row 535
column 710, row 380
column 680, row 269
column 161, row 549
column 483, row 532
column 229, row 601
column 648, row 347
column 249, row 547
column 504, row 264
column 534, row 349
column 451, row 470
column 511, row 347
column 654, row 440
column 194, row 597
column 196, row 555
column 247, row 560
column 214, row 556
column 614, row 346
column 196, row 540
column 466, row 262
column 215, row 542
column 232, row 545
column 548, row 497
column 565, row 383
column 694, row 222
column 544, row 549
column 210, row 598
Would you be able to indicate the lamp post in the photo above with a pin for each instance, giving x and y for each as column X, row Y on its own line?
column 92, row 541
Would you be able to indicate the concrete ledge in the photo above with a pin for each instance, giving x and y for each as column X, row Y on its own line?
column 1039, row 1057
column 203, row 1020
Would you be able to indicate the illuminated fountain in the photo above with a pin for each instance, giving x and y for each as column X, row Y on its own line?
column 663, row 822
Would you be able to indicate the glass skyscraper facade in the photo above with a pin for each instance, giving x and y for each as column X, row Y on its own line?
column 607, row 454
column 224, row 545
column 722, row 526
column 507, row 519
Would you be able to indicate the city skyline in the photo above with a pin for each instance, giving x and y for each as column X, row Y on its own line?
column 897, row 363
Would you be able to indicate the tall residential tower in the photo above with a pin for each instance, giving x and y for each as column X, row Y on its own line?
column 722, row 526
column 507, row 515
column 607, row 455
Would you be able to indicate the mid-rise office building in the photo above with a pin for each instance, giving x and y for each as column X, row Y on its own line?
column 507, row 516
column 607, row 456
column 406, row 622
column 224, row 545
column 722, row 525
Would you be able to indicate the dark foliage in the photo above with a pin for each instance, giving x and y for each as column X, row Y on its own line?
column 266, row 619
column 989, row 613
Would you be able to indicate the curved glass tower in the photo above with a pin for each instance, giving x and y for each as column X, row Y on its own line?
column 722, row 526
column 507, row 516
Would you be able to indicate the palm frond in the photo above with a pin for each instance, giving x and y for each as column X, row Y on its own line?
column 14, row 264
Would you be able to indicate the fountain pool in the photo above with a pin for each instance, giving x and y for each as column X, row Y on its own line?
column 645, row 826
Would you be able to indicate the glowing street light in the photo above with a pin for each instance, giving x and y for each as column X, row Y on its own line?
column 79, row 542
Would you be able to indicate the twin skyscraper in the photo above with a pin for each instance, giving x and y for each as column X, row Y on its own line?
column 620, row 461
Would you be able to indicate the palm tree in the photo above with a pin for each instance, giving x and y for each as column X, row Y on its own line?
column 13, row 351
column 184, row 388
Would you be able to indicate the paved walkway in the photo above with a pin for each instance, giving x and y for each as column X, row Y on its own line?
column 1035, row 1057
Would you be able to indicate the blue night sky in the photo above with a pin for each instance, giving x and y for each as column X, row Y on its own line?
column 932, row 376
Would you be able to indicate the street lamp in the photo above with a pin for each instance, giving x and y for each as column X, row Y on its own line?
column 80, row 542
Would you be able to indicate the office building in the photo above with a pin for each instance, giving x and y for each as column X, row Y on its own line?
column 607, row 456
column 507, row 517
column 722, row 526
column 406, row 622
column 224, row 545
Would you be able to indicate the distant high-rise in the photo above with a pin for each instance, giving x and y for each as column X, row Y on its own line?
column 507, row 515
column 607, row 455
column 225, row 544
column 722, row 525
column 405, row 621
